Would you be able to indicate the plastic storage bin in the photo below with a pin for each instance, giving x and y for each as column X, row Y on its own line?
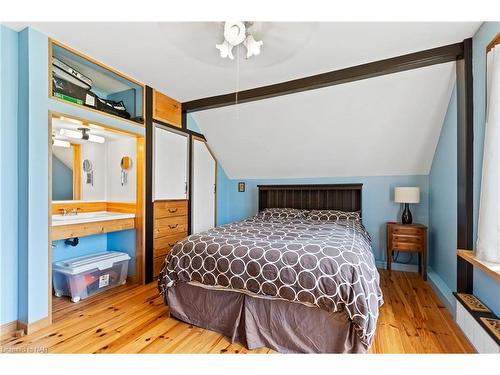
column 84, row 276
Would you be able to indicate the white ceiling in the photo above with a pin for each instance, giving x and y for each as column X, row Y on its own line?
column 382, row 126
column 180, row 59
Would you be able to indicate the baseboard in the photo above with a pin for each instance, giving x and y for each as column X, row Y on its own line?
column 8, row 330
column 29, row 328
column 397, row 266
column 442, row 290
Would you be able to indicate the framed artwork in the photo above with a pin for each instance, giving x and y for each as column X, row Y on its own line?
column 241, row 187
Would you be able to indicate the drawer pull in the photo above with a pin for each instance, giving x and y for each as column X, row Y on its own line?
column 173, row 226
column 172, row 244
column 172, row 210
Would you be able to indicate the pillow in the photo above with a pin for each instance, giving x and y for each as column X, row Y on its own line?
column 332, row 215
column 281, row 213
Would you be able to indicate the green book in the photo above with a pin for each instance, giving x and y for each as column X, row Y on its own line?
column 68, row 98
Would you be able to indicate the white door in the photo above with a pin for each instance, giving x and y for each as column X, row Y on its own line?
column 203, row 185
column 170, row 164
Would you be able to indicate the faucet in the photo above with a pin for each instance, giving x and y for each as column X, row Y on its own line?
column 65, row 212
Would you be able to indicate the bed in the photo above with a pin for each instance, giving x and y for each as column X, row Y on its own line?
column 298, row 277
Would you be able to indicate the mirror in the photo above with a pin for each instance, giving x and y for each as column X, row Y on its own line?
column 65, row 172
column 92, row 163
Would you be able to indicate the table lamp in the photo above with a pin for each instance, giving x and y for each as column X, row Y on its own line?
column 407, row 195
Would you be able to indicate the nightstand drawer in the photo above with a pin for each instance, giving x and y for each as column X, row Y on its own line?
column 407, row 238
column 397, row 245
column 408, row 231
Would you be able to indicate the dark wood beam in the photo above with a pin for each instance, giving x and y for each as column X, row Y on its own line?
column 414, row 60
column 148, row 248
column 465, row 137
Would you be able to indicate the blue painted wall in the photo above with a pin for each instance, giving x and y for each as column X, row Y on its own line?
column 124, row 241
column 9, row 42
column 87, row 245
column 22, row 162
column 443, row 201
column 34, row 105
column 62, row 181
column 484, row 287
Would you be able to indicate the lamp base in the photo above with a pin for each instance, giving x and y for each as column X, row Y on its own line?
column 406, row 217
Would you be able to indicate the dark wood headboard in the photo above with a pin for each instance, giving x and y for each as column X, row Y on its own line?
column 344, row 197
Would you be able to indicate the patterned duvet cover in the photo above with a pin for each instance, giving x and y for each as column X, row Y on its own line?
column 324, row 264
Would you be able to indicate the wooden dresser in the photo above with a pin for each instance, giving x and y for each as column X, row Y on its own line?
column 408, row 238
column 170, row 226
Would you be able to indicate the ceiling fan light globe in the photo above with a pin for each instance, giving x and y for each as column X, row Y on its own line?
column 234, row 32
column 253, row 46
column 225, row 50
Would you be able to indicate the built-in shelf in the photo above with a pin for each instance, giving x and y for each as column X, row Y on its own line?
column 491, row 269
column 106, row 83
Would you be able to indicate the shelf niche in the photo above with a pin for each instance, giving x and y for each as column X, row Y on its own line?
column 107, row 84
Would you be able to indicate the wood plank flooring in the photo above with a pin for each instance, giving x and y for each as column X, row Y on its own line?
column 133, row 319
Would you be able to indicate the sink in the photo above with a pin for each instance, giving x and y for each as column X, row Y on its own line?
column 89, row 217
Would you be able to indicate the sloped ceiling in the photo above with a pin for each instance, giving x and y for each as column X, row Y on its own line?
column 383, row 126
column 180, row 58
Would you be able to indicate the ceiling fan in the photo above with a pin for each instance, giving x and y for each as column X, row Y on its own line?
column 195, row 40
column 236, row 33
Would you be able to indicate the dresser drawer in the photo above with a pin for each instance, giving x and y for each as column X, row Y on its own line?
column 397, row 245
column 163, row 245
column 407, row 238
column 168, row 226
column 407, row 231
column 158, row 263
column 170, row 208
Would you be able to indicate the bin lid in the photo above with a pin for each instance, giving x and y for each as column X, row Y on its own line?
column 102, row 261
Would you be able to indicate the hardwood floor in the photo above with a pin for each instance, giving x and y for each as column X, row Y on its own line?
column 133, row 319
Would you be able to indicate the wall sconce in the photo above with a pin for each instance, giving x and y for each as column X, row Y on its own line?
column 125, row 164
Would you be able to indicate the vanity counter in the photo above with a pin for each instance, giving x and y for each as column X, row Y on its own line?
column 90, row 223
column 89, row 217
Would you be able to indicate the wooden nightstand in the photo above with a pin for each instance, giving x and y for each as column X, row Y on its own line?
column 410, row 238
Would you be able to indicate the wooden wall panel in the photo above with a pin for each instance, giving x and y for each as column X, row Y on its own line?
column 167, row 109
